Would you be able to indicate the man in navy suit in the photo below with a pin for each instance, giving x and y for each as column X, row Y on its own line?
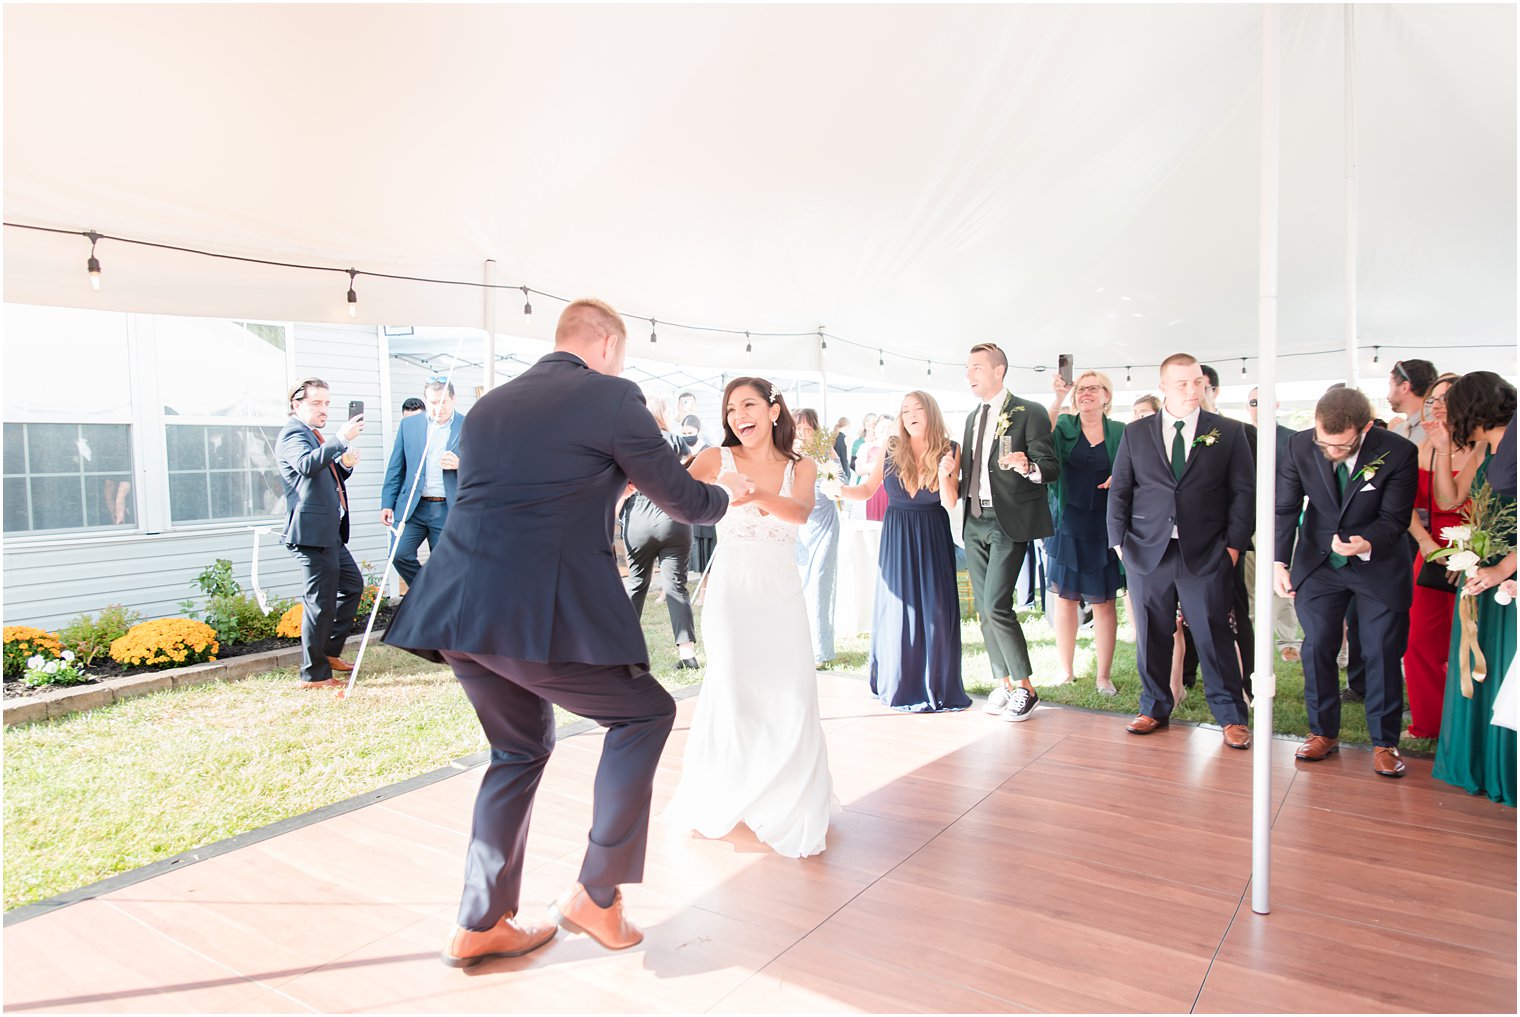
column 1351, row 549
column 427, row 443
column 315, row 471
column 526, row 605
column 1180, row 513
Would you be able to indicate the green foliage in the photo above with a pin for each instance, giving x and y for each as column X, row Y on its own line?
column 23, row 642
column 234, row 615
column 92, row 637
column 62, row 672
column 216, row 580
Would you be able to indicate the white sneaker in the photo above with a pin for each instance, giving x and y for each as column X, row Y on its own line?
column 997, row 700
column 1021, row 705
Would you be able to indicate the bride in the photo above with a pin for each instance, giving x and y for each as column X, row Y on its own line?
column 756, row 752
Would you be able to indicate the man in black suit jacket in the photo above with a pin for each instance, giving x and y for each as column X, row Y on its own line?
column 315, row 471
column 1006, row 508
column 1180, row 512
column 523, row 600
column 1352, row 548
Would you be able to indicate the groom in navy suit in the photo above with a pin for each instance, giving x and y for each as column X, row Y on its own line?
column 1180, row 512
column 526, row 605
column 1351, row 550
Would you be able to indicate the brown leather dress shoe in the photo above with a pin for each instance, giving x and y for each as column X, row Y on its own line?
column 1145, row 725
column 1317, row 748
column 507, row 939
column 577, row 912
column 1237, row 736
column 339, row 664
column 325, row 683
column 1386, row 761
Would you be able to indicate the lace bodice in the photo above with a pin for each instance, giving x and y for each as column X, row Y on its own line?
column 744, row 523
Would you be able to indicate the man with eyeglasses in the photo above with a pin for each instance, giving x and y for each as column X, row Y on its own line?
column 1351, row 549
column 426, row 444
column 1409, row 383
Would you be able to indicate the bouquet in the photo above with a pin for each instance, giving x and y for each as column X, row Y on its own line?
column 819, row 447
column 1486, row 536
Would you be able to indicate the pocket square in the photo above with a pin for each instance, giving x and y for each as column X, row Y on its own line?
column 1367, row 488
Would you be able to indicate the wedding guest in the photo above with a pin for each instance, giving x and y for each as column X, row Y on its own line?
column 1429, row 646
column 818, row 549
column 876, row 506
column 841, row 444
column 1145, row 406
column 916, row 626
column 1082, row 565
column 427, row 444
column 1359, row 482
column 1408, row 384
column 412, row 406
column 867, row 430
column 1006, row 508
column 315, row 471
column 689, row 425
column 1180, row 511
column 650, row 535
column 1241, row 625
column 1475, row 754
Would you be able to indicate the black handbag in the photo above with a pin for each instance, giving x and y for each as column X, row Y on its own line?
column 1433, row 575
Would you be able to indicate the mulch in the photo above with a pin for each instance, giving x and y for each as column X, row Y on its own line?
column 105, row 668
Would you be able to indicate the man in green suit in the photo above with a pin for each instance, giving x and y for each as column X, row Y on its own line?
column 1007, row 460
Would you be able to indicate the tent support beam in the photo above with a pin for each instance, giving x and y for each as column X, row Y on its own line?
column 1264, row 683
column 1351, row 195
column 488, row 314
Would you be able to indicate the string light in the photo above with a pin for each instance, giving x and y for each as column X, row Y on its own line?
column 929, row 369
column 748, row 347
column 881, row 361
column 93, row 265
column 1242, row 367
column 823, row 343
column 1127, row 378
column 1375, row 354
column 527, row 306
column 653, row 338
column 353, row 298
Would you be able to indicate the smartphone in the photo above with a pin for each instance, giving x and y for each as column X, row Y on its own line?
column 1063, row 365
column 355, row 408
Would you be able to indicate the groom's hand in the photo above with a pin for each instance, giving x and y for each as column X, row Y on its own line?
column 740, row 488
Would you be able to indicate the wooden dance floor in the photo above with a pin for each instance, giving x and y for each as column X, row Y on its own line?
column 1054, row 865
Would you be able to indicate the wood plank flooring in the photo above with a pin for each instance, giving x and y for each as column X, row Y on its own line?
column 976, row 866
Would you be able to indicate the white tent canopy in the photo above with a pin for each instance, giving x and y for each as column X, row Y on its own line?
column 913, row 178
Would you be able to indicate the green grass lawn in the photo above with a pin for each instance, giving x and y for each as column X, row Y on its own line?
column 98, row 793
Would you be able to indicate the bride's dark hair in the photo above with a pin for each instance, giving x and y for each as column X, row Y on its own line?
column 783, row 435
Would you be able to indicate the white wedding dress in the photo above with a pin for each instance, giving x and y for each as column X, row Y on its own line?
column 756, row 753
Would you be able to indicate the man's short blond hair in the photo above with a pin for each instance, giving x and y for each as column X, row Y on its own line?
column 587, row 320
column 1179, row 360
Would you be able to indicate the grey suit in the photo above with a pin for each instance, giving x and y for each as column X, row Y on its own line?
column 316, row 532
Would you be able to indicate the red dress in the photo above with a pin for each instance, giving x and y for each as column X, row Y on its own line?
column 1429, row 629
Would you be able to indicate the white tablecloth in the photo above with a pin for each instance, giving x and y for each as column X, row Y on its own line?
column 855, row 595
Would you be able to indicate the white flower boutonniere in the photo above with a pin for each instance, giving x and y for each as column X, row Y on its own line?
column 1370, row 470
column 1207, row 439
column 1005, row 420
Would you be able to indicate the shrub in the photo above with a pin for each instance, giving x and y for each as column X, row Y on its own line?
column 167, row 642
column 225, row 610
column 254, row 623
column 290, row 623
column 66, row 670
column 91, row 637
column 23, row 642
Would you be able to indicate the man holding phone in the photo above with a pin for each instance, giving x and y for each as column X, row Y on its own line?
column 426, row 444
column 1006, row 508
column 315, row 471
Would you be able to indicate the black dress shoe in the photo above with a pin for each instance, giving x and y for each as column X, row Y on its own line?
column 1349, row 695
column 688, row 664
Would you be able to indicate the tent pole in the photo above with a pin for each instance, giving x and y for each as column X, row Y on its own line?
column 1351, row 195
column 1264, row 684
column 489, row 313
column 823, row 384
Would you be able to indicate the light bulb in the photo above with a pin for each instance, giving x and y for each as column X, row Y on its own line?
column 527, row 306
column 94, row 267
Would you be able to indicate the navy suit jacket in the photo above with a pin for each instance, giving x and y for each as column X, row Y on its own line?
column 314, row 515
column 525, row 567
column 407, row 459
column 1212, row 506
column 1376, row 507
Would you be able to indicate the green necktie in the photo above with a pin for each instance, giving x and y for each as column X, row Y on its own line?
column 1342, row 478
column 1179, row 454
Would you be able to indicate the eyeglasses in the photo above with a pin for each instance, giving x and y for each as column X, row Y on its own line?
column 1338, row 446
column 1089, row 388
column 1252, row 403
column 1432, row 400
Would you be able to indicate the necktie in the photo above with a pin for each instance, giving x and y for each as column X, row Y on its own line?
column 1342, row 478
column 974, row 497
column 1179, row 453
column 342, row 495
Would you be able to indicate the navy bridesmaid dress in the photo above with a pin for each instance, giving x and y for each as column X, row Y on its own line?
column 916, row 631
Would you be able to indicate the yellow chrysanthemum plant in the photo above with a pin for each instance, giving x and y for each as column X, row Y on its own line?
column 23, row 642
column 166, row 642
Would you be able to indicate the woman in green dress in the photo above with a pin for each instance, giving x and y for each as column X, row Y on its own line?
column 1474, row 753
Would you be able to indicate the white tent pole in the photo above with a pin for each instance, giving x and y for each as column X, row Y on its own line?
column 1351, row 195
column 1264, row 684
column 823, row 382
column 489, row 315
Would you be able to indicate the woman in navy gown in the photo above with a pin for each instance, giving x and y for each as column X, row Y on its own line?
column 916, row 629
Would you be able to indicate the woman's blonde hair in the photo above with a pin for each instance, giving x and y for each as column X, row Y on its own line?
column 915, row 476
column 1108, row 387
column 659, row 408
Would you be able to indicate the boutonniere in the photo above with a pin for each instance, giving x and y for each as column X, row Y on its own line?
column 1370, row 470
column 1207, row 439
column 1004, row 420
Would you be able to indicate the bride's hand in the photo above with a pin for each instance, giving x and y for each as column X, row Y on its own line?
column 740, row 488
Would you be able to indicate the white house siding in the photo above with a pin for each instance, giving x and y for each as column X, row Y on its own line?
column 49, row 580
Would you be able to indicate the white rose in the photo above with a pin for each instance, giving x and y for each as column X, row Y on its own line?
column 1452, row 534
column 1502, row 597
column 1463, row 561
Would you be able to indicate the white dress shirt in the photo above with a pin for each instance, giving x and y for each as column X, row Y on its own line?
column 437, row 445
column 1169, row 434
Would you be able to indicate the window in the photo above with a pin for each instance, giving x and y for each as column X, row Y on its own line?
column 68, row 476
column 222, row 472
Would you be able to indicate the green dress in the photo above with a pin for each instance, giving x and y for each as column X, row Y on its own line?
column 1475, row 754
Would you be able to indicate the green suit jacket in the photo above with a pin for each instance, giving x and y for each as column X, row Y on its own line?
column 1018, row 503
